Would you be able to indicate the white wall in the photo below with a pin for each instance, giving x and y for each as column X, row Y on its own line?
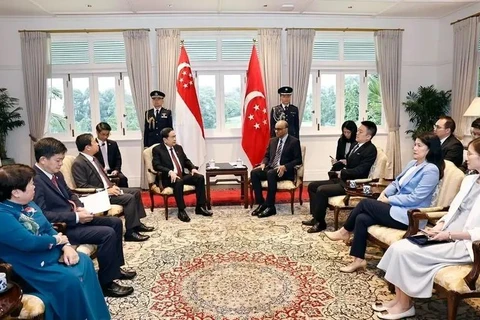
column 422, row 65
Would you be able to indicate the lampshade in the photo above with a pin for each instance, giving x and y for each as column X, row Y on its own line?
column 474, row 109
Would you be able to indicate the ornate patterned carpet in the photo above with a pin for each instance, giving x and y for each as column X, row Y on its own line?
column 237, row 267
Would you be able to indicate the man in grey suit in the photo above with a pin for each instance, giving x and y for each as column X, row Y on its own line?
column 88, row 173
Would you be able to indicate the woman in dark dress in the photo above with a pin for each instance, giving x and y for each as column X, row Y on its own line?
column 64, row 279
column 344, row 145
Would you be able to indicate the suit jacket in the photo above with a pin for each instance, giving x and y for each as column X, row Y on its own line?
column 340, row 154
column 290, row 157
column 452, row 150
column 85, row 174
column 54, row 202
column 290, row 115
column 163, row 163
column 113, row 153
column 472, row 225
column 153, row 126
column 360, row 162
column 416, row 192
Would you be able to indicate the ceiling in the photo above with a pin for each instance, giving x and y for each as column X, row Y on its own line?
column 381, row 8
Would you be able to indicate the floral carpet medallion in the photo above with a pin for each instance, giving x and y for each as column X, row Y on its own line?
column 240, row 286
column 233, row 266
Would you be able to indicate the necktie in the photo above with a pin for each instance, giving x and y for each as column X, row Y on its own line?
column 156, row 113
column 55, row 183
column 101, row 172
column 276, row 160
column 103, row 149
column 354, row 149
column 176, row 164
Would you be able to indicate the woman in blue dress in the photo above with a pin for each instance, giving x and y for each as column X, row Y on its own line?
column 64, row 279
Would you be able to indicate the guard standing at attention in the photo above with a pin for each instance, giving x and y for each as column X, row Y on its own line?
column 156, row 119
column 285, row 111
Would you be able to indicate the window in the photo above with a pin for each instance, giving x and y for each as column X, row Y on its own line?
column 343, row 84
column 219, row 62
column 89, row 86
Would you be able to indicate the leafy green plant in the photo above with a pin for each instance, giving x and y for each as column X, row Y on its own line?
column 424, row 107
column 10, row 118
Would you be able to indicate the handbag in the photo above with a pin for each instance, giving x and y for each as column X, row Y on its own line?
column 422, row 240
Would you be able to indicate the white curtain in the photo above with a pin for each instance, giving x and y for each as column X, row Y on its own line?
column 388, row 48
column 270, row 49
column 139, row 66
column 300, row 51
column 464, row 82
column 36, row 69
column 168, row 43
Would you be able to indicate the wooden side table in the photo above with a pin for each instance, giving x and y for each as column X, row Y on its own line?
column 11, row 301
column 225, row 168
column 358, row 192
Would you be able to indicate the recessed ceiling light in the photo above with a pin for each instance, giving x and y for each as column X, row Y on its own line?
column 265, row 5
column 89, row 5
column 350, row 7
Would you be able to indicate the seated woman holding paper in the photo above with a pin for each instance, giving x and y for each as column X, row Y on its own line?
column 65, row 280
column 344, row 145
column 413, row 188
column 412, row 268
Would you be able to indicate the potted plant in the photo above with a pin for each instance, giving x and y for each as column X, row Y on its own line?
column 10, row 119
column 424, row 107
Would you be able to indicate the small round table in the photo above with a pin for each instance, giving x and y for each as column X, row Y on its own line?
column 358, row 192
column 11, row 301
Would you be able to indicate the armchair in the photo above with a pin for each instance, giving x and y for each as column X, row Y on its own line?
column 155, row 182
column 287, row 185
column 345, row 203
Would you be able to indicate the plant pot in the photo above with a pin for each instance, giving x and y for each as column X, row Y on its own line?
column 7, row 161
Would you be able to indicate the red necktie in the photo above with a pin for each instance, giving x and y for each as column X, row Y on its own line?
column 55, row 183
column 175, row 162
column 102, row 173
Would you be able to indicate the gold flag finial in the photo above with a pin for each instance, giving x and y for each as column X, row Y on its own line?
column 182, row 42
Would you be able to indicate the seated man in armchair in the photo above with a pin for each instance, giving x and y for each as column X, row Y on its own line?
column 282, row 155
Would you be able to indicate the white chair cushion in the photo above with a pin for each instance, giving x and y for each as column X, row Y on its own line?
column 386, row 235
column 169, row 191
column 33, row 307
column 281, row 185
column 336, row 201
column 88, row 249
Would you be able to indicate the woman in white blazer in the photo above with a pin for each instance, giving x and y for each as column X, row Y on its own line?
column 413, row 188
column 412, row 268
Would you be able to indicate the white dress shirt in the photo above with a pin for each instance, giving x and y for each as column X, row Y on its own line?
column 90, row 158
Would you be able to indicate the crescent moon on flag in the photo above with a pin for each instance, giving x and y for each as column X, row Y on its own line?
column 253, row 95
column 181, row 66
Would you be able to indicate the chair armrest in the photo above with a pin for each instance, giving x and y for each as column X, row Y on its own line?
column 84, row 190
column 416, row 215
column 363, row 181
column 7, row 269
column 472, row 276
column 60, row 227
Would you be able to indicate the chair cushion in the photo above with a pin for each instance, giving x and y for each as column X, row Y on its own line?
column 32, row 307
column 169, row 191
column 338, row 201
column 88, row 249
column 281, row 185
column 115, row 210
column 451, row 278
column 386, row 235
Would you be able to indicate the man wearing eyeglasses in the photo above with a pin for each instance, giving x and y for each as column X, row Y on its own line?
column 282, row 155
column 452, row 148
column 475, row 132
column 156, row 119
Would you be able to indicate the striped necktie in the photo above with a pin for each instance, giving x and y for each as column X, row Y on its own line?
column 276, row 159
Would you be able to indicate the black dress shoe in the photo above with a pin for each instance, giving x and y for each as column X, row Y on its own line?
column 183, row 216
column 317, row 227
column 258, row 210
column 203, row 212
column 270, row 211
column 127, row 275
column 115, row 290
column 135, row 237
column 144, row 228
column 310, row 222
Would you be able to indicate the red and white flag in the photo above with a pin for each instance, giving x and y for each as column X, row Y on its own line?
column 188, row 117
column 255, row 131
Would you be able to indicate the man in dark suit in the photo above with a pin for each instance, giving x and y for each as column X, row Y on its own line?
column 452, row 148
column 357, row 166
column 282, row 155
column 156, row 119
column 88, row 173
column 285, row 111
column 59, row 204
column 109, row 150
column 171, row 161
